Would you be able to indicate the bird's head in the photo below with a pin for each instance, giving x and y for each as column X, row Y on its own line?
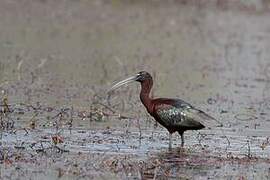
column 139, row 77
column 143, row 76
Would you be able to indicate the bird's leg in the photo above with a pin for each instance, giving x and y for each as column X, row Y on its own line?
column 170, row 141
column 182, row 139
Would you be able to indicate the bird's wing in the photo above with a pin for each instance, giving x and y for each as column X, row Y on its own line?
column 177, row 112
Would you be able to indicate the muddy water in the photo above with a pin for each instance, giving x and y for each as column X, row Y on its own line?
column 65, row 54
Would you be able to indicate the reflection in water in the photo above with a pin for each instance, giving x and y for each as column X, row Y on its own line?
column 202, row 165
column 60, row 56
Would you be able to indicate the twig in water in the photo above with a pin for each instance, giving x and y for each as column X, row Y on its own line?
column 155, row 174
column 33, row 121
column 265, row 143
column 109, row 108
column 60, row 150
column 140, row 130
column 200, row 137
column 70, row 123
column 19, row 58
column 249, row 151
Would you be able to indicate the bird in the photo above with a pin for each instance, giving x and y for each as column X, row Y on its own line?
column 175, row 115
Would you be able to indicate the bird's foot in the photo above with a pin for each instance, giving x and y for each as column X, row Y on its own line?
column 170, row 148
column 181, row 150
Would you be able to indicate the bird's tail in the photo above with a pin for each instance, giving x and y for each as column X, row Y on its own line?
column 205, row 119
column 209, row 122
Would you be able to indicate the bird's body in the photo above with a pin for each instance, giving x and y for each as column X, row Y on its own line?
column 175, row 115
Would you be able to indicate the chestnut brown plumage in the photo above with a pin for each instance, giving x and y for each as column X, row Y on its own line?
column 174, row 114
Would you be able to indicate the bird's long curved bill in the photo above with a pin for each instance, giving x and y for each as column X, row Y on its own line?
column 123, row 82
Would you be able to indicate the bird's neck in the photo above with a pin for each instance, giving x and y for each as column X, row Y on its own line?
column 146, row 87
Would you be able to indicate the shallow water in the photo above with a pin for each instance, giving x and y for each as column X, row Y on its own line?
column 200, row 159
column 61, row 57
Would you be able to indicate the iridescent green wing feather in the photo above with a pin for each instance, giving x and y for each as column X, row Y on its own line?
column 180, row 113
column 169, row 115
column 193, row 114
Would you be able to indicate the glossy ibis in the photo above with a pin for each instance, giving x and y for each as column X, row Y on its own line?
column 174, row 114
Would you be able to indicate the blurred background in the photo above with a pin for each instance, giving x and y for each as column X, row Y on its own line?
column 61, row 56
column 65, row 52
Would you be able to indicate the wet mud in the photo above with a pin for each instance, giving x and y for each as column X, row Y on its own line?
column 58, row 59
